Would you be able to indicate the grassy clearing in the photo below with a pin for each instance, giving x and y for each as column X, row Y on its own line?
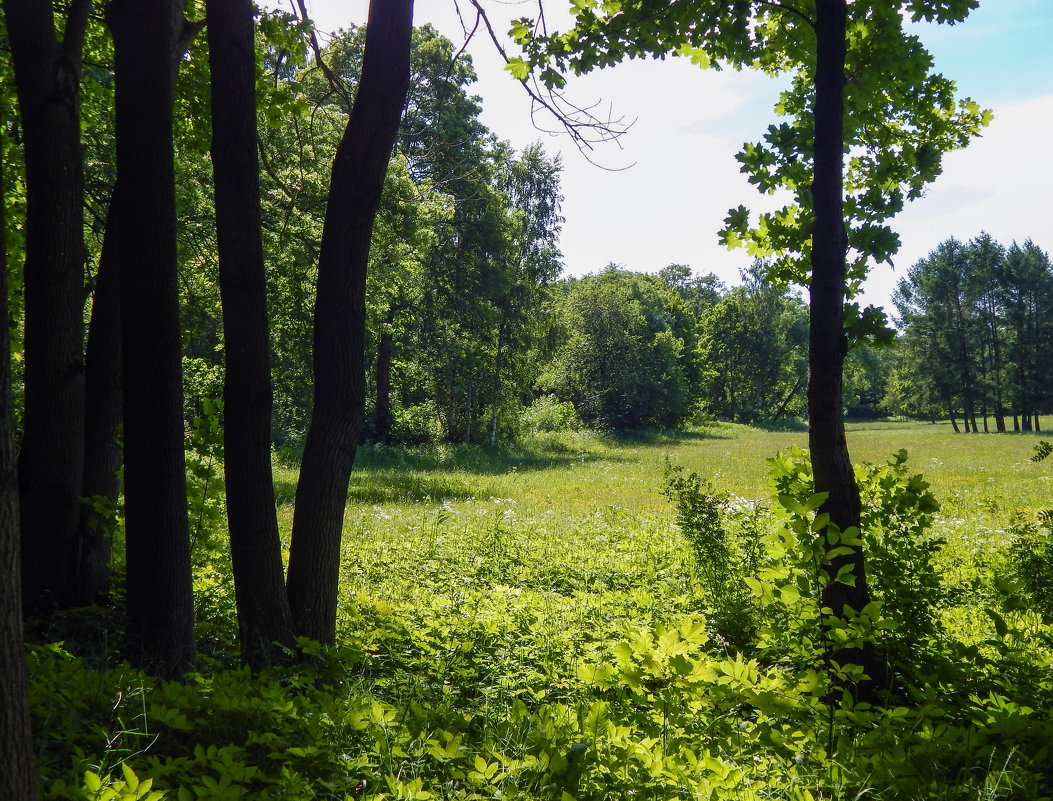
column 530, row 624
column 989, row 475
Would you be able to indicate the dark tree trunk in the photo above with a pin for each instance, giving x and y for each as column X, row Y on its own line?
column 340, row 315
column 954, row 422
column 103, row 403
column 18, row 778
column 160, row 599
column 385, row 348
column 255, row 547
column 831, row 465
column 1016, row 424
column 51, row 460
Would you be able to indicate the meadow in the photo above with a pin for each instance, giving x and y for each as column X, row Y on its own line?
column 535, row 622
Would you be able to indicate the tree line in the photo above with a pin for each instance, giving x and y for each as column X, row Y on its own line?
column 977, row 320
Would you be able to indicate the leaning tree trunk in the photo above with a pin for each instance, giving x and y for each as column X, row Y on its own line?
column 159, row 591
column 103, row 402
column 831, row 465
column 255, row 547
column 51, row 460
column 18, row 778
column 340, row 316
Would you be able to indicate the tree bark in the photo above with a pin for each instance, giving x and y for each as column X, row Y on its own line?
column 831, row 464
column 18, row 779
column 160, row 599
column 103, row 408
column 340, row 313
column 51, row 460
column 255, row 547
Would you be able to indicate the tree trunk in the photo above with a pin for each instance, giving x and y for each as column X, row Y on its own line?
column 954, row 422
column 831, row 464
column 18, row 779
column 340, row 315
column 51, row 460
column 103, row 403
column 160, row 600
column 497, row 389
column 468, row 415
column 384, row 350
column 264, row 619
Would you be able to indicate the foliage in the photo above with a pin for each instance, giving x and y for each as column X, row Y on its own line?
column 975, row 320
column 753, row 347
column 520, row 624
column 902, row 557
column 547, row 413
column 724, row 558
column 1030, row 562
column 626, row 352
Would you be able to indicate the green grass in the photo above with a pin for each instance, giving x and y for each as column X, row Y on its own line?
column 506, row 612
column 572, row 475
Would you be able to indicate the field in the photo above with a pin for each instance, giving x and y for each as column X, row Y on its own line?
column 533, row 623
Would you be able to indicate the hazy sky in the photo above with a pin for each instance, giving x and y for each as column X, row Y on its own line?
column 668, row 206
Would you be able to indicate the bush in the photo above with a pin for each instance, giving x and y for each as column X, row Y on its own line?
column 725, row 556
column 547, row 414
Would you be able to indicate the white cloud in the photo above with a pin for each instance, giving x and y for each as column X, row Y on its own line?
column 999, row 184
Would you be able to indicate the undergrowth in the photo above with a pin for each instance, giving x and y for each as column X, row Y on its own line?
column 493, row 647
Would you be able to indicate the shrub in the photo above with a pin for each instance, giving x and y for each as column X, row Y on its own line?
column 548, row 414
column 724, row 556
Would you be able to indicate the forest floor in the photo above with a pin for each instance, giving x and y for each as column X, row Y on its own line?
column 532, row 622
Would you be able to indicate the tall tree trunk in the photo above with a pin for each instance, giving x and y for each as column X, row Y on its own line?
column 160, row 600
column 831, row 464
column 103, row 405
column 384, row 350
column 340, row 316
column 18, row 779
column 255, row 546
column 51, row 460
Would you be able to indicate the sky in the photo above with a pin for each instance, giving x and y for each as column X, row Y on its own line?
column 662, row 192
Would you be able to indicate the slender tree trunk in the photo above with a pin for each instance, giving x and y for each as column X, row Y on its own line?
column 103, row 405
column 51, row 460
column 497, row 389
column 1016, row 423
column 340, row 314
column 18, row 778
column 160, row 601
column 1038, row 426
column 831, row 464
column 468, row 416
column 954, row 422
column 255, row 546
column 384, row 350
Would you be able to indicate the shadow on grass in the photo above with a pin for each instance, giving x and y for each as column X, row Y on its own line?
column 386, row 474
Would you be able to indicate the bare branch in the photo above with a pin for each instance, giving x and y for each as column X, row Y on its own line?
column 584, row 127
column 334, row 80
